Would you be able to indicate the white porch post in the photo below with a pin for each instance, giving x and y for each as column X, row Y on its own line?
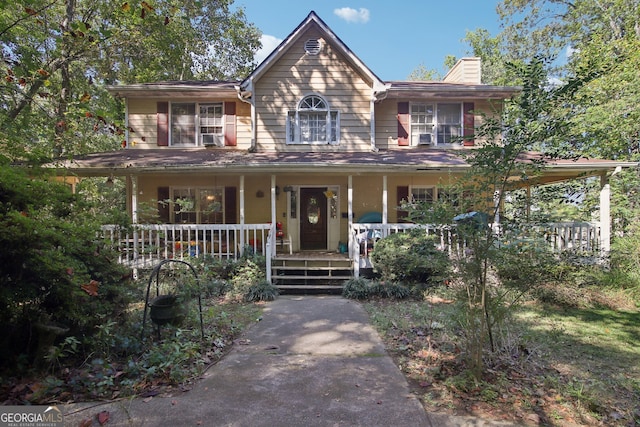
column 385, row 200
column 273, row 212
column 134, row 199
column 241, row 239
column 354, row 251
column 134, row 219
column 605, row 215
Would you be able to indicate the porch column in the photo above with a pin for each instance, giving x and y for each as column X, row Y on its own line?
column 273, row 213
column 134, row 199
column 354, row 251
column 242, row 212
column 385, row 199
column 605, row 215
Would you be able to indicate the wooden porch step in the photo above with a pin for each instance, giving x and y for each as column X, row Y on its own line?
column 316, row 278
column 311, row 273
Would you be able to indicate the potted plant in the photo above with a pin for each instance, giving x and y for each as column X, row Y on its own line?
column 166, row 309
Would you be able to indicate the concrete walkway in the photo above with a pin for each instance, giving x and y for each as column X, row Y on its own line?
column 311, row 361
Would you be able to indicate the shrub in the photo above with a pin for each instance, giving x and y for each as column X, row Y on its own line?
column 54, row 272
column 364, row 289
column 409, row 257
column 389, row 290
column 246, row 274
column 262, row 291
column 356, row 288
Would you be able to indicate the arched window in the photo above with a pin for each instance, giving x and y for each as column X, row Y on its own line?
column 313, row 122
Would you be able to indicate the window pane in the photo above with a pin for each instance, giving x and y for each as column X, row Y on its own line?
column 334, row 126
column 313, row 127
column 210, row 206
column 291, row 126
column 421, row 121
column 449, row 123
column 211, row 118
column 449, row 114
column 184, row 205
column 424, row 194
column 183, row 124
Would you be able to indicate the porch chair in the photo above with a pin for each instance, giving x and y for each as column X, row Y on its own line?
column 280, row 240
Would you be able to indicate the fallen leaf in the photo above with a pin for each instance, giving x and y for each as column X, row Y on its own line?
column 91, row 288
column 103, row 417
column 86, row 423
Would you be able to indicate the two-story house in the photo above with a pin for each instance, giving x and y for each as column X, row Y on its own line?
column 312, row 140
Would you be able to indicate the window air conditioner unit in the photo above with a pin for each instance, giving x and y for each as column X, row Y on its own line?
column 424, row 139
column 212, row 140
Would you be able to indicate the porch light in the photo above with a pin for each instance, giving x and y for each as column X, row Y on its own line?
column 109, row 182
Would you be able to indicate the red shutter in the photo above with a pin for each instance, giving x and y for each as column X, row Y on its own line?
column 163, row 124
column 163, row 204
column 230, row 202
column 468, row 123
column 402, row 193
column 403, row 123
column 230, row 124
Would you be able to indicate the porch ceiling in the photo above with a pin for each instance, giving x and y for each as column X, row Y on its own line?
column 140, row 161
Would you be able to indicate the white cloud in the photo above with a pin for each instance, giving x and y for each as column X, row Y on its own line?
column 352, row 15
column 570, row 51
column 268, row 44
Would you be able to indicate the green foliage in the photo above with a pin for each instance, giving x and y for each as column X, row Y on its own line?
column 362, row 289
column 410, row 257
column 60, row 56
column 247, row 273
column 356, row 288
column 53, row 268
column 262, row 291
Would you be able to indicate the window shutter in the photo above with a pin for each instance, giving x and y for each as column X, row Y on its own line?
column 163, row 124
column 468, row 123
column 230, row 211
column 403, row 123
column 230, row 124
column 402, row 193
column 163, row 205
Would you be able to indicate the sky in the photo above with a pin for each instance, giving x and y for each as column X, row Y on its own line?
column 392, row 37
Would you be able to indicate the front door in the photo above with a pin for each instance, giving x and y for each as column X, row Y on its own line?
column 313, row 219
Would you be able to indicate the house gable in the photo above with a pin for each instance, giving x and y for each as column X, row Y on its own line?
column 346, row 92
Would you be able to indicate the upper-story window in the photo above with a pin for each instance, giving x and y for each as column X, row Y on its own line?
column 196, row 124
column 436, row 124
column 313, row 122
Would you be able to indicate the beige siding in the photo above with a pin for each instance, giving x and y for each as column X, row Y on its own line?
column 328, row 75
column 143, row 121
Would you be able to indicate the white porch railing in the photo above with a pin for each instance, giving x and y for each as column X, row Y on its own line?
column 579, row 237
column 144, row 245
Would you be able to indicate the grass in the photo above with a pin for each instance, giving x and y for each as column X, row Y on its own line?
column 555, row 367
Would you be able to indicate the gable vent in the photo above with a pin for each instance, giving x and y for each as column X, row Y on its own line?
column 312, row 46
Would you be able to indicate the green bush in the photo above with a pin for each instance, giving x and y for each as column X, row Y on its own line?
column 248, row 272
column 262, row 291
column 356, row 288
column 54, row 270
column 362, row 289
column 410, row 257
